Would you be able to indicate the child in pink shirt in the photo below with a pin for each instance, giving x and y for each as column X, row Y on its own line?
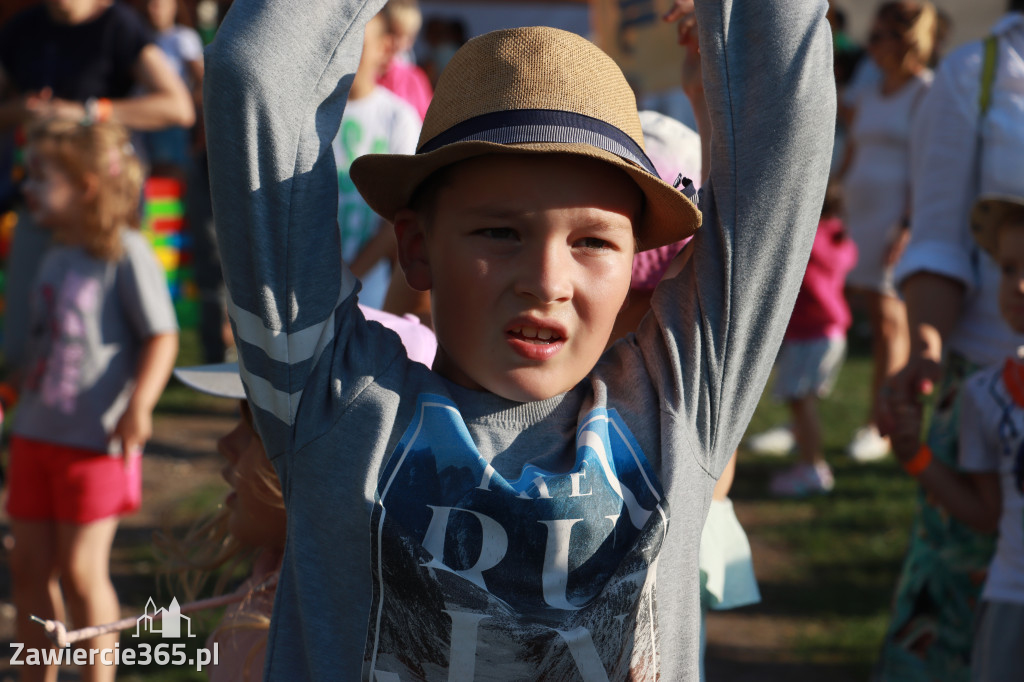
column 812, row 353
column 402, row 76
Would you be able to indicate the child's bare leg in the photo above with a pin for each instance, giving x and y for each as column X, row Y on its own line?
column 807, row 429
column 896, row 330
column 890, row 342
column 84, row 560
column 34, row 589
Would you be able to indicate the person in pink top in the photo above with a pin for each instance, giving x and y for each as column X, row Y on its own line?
column 812, row 353
column 402, row 76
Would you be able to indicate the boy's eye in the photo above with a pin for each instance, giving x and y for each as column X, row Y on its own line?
column 497, row 233
column 593, row 243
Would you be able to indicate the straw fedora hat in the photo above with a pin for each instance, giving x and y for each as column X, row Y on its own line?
column 988, row 214
column 531, row 90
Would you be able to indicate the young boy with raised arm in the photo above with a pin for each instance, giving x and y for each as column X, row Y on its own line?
column 531, row 507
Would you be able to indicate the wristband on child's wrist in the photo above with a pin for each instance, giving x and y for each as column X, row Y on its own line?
column 916, row 465
column 8, row 396
column 97, row 110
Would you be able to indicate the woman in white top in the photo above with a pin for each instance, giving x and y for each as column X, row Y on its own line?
column 876, row 180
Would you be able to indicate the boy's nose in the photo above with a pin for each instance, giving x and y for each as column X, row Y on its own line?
column 545, row 272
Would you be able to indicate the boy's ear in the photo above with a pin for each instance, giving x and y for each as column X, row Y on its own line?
column 411, row 233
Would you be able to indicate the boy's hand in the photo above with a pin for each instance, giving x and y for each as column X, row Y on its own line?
column 43, row 104
column 682, row 12
column 906, row 389
column 906, row 432
column 134, row 429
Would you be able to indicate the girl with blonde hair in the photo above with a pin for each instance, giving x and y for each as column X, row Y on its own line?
column 103, row 339
column 249, row 526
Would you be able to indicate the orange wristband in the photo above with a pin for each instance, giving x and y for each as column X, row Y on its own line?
column 104, row 109
column 919, row 462
column 8, row 395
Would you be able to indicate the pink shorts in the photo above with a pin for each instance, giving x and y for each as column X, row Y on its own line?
column 51, row 482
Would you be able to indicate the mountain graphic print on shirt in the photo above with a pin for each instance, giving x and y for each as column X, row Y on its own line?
column 550, row 576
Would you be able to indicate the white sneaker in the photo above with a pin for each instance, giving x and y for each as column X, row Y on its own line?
column 775, row 442
column 803, row 480
column 868, row 445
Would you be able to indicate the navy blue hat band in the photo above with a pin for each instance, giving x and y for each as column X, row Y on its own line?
column 517, row 126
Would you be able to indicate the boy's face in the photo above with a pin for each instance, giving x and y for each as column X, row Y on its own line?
column 528, row 260
column 1010, row 258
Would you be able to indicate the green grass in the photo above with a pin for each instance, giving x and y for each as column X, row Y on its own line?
column 843, row 550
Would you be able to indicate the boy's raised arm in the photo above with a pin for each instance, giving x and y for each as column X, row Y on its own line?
column 277, row 78
column 771, row 98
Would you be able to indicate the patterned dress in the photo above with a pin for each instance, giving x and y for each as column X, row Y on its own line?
column 931, row 631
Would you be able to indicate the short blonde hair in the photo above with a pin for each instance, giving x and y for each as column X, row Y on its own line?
column 403, row 17
column 102, row 151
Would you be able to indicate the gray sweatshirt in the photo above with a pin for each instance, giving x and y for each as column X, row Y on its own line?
column 436, row 532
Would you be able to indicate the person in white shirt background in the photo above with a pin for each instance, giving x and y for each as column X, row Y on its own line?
column 958, row 153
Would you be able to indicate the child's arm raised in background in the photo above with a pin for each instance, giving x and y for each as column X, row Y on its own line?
column 770, row 97
column 156, row 361
column 692, row 80
column 273, row 106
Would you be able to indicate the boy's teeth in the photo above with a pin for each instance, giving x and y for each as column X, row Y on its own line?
column 535, row 333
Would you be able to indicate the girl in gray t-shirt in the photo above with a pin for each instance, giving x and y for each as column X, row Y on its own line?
column 102, row 342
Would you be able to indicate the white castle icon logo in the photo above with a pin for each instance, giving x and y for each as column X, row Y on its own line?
column 165, row 622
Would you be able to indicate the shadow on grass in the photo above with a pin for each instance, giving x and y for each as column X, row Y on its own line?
column 727, row 663
column 849, row 590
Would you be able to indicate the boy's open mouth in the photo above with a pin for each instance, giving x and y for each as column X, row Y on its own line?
column 537, row 335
